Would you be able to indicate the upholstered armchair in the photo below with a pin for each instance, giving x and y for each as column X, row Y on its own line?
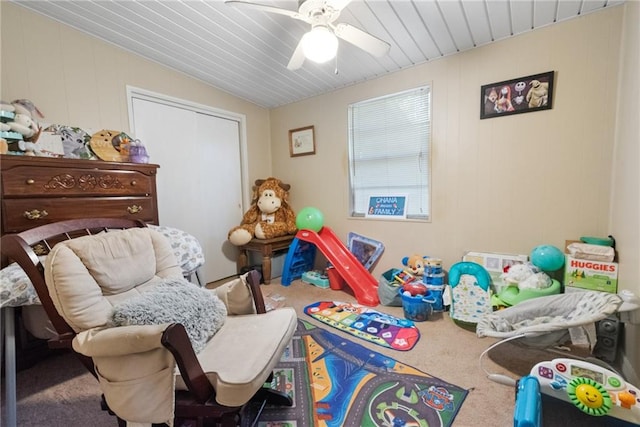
column 195, row 354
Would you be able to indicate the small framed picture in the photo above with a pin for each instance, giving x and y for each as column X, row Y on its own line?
column 521, row 95
column 302, row 141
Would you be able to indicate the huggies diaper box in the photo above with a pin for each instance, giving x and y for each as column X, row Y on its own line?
column 591, row 275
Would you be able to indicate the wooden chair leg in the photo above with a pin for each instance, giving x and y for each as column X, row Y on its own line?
column 229, row 420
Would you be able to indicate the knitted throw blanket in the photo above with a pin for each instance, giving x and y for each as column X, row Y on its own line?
column 175, row 300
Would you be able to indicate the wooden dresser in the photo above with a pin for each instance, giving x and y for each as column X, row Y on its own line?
column 40, row 190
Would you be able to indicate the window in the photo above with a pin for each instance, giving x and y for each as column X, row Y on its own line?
column 389, row 150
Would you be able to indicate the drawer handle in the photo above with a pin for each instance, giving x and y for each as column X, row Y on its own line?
column 134, row 209
column 134, row 183
column 35, row 214
column 31, row 181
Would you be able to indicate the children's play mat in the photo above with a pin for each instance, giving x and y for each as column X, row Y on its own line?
column 366, row 323
column 336, row 382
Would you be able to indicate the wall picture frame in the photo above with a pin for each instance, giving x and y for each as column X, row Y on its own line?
column 515, row 96
column 302, row 141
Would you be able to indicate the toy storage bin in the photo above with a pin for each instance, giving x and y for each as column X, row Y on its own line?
column 417, row 308
column 436, row 293
column 388, row 289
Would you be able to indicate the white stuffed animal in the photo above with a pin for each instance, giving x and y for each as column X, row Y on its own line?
column 526, row 276
column 517, row 273
column 538, row 280
column 24, row 125
column 24, row 121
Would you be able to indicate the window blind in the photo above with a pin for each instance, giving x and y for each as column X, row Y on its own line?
column 389, row 150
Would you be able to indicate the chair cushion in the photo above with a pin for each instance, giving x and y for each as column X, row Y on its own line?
column 88, row 275
column 241, row 356
column 175, row 300
column 236, row 295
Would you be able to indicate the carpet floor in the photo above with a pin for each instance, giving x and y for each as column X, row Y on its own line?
column 58, row 391
column 337, row 382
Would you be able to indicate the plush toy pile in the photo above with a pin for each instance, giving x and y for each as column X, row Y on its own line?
column 268, row 216
column 19, row 125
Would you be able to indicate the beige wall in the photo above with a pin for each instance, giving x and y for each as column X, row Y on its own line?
column 81, row 81
column 505, row 184
column 625, row 193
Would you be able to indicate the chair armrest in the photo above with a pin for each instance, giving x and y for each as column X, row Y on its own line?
column 118, row 341
column 176, row 340
column 253, row 280
column 124, row 340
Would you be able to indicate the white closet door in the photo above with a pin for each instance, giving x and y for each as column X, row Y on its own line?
column 199, row 180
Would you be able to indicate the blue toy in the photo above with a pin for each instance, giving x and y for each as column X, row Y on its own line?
column 300, row 258
column 471, row 297
column 528, row 412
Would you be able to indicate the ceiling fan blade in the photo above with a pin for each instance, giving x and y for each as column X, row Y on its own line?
column 297, row 59
column 266, row 8
column 338, row 4
column 361, row 39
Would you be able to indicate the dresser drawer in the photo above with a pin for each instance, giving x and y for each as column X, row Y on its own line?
column 22, row 214
column 29, row 181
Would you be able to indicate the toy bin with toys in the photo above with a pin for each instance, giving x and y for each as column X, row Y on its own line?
column 388, row 289
column 418, row 307
column 437, row 293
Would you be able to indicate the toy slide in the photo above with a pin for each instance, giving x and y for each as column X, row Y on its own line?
column 357, row 277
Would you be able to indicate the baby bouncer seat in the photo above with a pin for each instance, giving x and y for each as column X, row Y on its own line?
column 545, row 321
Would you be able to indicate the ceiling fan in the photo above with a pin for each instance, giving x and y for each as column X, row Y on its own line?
column 320, row 44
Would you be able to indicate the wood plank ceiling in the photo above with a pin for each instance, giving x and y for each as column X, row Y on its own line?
column 245, row 52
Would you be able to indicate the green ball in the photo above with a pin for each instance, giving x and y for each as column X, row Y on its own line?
column 310, row 218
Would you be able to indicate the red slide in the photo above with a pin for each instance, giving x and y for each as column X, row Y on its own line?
column 358, row 278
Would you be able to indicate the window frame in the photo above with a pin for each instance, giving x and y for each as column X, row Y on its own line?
column 429, row 152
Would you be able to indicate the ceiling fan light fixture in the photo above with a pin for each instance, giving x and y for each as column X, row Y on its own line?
column 320, row 44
